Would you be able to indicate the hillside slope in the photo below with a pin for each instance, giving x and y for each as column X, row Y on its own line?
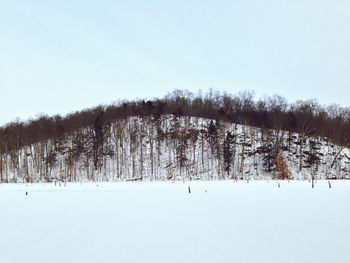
column 175, row 148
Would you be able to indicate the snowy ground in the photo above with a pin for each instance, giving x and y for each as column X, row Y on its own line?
column 160, row 222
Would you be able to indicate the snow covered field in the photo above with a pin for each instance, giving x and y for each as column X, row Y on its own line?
column 161, row 222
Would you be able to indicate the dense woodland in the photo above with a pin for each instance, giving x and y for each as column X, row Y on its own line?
column 181, row 135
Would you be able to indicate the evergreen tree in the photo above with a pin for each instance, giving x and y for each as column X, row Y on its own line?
column 227, row 149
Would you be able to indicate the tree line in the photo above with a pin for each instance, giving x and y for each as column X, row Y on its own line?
column 304, row 117
column 182, row 135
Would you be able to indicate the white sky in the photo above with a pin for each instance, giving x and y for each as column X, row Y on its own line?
column 62, row 56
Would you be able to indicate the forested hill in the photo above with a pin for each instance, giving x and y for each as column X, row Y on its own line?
column 181, row 136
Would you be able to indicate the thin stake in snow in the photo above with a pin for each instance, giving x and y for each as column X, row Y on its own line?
column 189, row 190
column 329, row 184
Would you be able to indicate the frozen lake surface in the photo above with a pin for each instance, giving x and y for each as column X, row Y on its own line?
column 161, row 222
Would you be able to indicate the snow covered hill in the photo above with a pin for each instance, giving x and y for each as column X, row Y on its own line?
column 176, row 148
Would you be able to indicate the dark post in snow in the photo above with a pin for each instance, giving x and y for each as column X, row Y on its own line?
column 329, row 184
column 189, row 190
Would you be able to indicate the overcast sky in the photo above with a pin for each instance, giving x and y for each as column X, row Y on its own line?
column 62, row 56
